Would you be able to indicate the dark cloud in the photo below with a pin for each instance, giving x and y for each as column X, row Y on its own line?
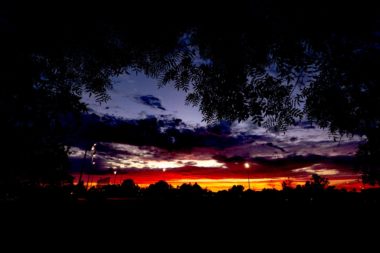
column 221, row 128
column 307, row 159
column 164, row 132
column 151, row 101
column 109, row 148
column 162, row 137
column 270, row 144
column 232, row 159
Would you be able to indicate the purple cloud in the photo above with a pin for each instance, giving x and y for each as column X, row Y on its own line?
column 150, row 101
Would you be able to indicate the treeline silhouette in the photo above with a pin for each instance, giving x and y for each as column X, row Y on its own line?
column 128, row 208
column 314, row 193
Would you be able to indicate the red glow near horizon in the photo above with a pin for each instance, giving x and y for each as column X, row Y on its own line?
column 220, row 169
column 215, row 179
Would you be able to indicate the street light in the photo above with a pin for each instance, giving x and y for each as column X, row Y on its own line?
column 93, row 152
column 246, row 165
column 114, row 180
column 92, row 164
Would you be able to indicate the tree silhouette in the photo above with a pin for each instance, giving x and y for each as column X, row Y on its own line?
column 191, row 191
column 161, row 189
column 286, row 185
column 236, row 190
column 319, row 182
column 273, row 63
column 129, row 188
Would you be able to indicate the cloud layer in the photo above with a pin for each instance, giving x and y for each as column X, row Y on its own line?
column 147, row 147
column 151, row 101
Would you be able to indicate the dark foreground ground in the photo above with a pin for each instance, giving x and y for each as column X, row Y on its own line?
column 238, row 221
column 184, row 214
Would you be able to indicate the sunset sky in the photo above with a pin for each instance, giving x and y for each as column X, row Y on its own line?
column 150, row 134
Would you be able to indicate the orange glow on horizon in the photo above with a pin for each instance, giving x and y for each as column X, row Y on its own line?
column 217, row 184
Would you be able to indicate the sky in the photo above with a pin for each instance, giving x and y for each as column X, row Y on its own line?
column 150, row 134
column 137, row 96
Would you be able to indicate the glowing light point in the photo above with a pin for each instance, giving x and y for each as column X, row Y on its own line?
column 246, row 165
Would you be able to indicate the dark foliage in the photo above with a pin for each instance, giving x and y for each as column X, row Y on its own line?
column 273, row 62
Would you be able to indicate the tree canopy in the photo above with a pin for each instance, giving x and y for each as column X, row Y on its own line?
column 272, row 62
